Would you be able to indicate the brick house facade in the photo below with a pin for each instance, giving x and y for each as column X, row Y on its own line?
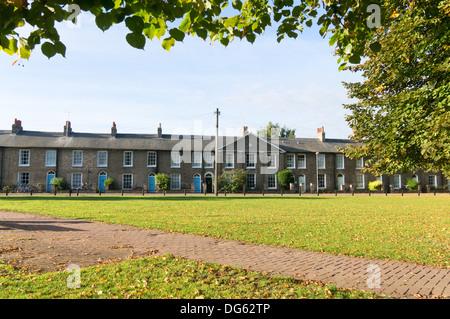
column 86, row 160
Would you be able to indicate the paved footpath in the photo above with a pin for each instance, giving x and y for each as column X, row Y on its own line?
column 70, row 241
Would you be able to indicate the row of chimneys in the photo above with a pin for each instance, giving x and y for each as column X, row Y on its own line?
column 17, row 127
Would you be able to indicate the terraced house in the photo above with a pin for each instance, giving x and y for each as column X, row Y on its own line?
column 86, row 160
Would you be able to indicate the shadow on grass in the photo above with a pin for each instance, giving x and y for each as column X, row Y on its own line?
column 180, row 198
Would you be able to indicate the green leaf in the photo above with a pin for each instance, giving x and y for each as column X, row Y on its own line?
column 375, row 46
column 60, row 48
column 135, row 24
column 150, row 31
column 333, row 39
column 185, row 24
column 104, row 21
column 168, row 43
column 202, row 33
column 24, row 52
column 176, row 34
column 348, row 49
column 309, row 23
column 48, row 49
column 136, row 40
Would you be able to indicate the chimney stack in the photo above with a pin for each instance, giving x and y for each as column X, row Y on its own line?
column 17, row 126
column 113, row 130
column 159, row 131
column 67, row 129
column 244, row 130
column 321, row 134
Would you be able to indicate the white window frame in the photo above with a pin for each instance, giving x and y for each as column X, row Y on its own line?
column 360, row 163
column 247, row 160
column 175, row 159
column 363, row 186
column 434, row 180
column 125, row 159
column 340, row 159
column 229, row 162
column 74, row 163
column 98, row 159
column 275, row 181
column 254, row 181
column 271, row 160
column 301, row 156
column 151, row 154
column 293, row 161
column 208, row 157
column 24, row 161
column 19, row 178
column 304, row 182
column 399, row 181
column 131, row 181
column 321, row 160
column 324, row 181
column 172, row 185
column 197, row 159
column 47, row 164
column 72, row 186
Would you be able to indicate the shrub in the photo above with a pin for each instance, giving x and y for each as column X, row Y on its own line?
column 375, row 185
column 285, row 178
column 412, row 184
column 8, row 188
column 163, row 181
column 59, row 183
column 232, row 181
column 109, row 181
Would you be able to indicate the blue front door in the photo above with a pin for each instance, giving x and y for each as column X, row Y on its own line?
column 197, row 185
column 151, row 184
column 49, row 178
column 101, row 183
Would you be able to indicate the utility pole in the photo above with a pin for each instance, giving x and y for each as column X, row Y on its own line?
column 216, row 191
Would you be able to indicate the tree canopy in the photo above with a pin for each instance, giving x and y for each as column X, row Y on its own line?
column 274, row 128
column 350, row 22
column 402, row 116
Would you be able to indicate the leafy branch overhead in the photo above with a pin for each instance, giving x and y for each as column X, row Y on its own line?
column 171, row 20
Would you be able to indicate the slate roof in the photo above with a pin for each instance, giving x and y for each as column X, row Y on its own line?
column 39, row 139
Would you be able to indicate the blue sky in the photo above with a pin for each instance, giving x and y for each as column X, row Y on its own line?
column 102, row 79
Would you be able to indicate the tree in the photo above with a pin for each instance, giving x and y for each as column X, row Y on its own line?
column 350, row 22
column 163, row 181
column 275, row 129
column 285, row 178
column 402, row 113
column 232, row 181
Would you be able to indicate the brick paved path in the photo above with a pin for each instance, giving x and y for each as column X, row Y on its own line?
column 84, row 243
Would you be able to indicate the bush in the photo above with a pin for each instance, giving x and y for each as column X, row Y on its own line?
column 163, row 181
column 375, row 185
column 59, row 183
column 285, row 178
column 412, row 184
column 109, row 181
column 232, row 181
column 8, row 188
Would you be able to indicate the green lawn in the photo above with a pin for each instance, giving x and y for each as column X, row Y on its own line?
column 409, row 228
column 163, row 277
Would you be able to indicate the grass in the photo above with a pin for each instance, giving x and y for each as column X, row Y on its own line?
column 163, row 277
column 409, row 228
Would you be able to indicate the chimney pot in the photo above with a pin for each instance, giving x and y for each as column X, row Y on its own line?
column 321, row 134
column 67, row 129
column 17, row 126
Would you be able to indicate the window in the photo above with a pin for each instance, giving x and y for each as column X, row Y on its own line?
column 340, row 161
column 321, row 161
column 127, row 159
column 271, row 161
column 251, row 181
column 24, row 158
column 415, row 178
column 397, row 181
column 77, row 181
column 251, row 160
column 290, row 160
column 272, row 181
column 151, row 159
column 379, row 178
column 229, row 160
column 23, row 179
column 360, row 181
column 127, row 181
column 322, row 180
column 301, row 161
column 77, row 158
column 432, row 180
column 50, row 158
column 102, row 159
column 359, row 163
column 175, row 159
column 197, row 159
column 302, row 180
column 175, row 181
column 209, row 159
